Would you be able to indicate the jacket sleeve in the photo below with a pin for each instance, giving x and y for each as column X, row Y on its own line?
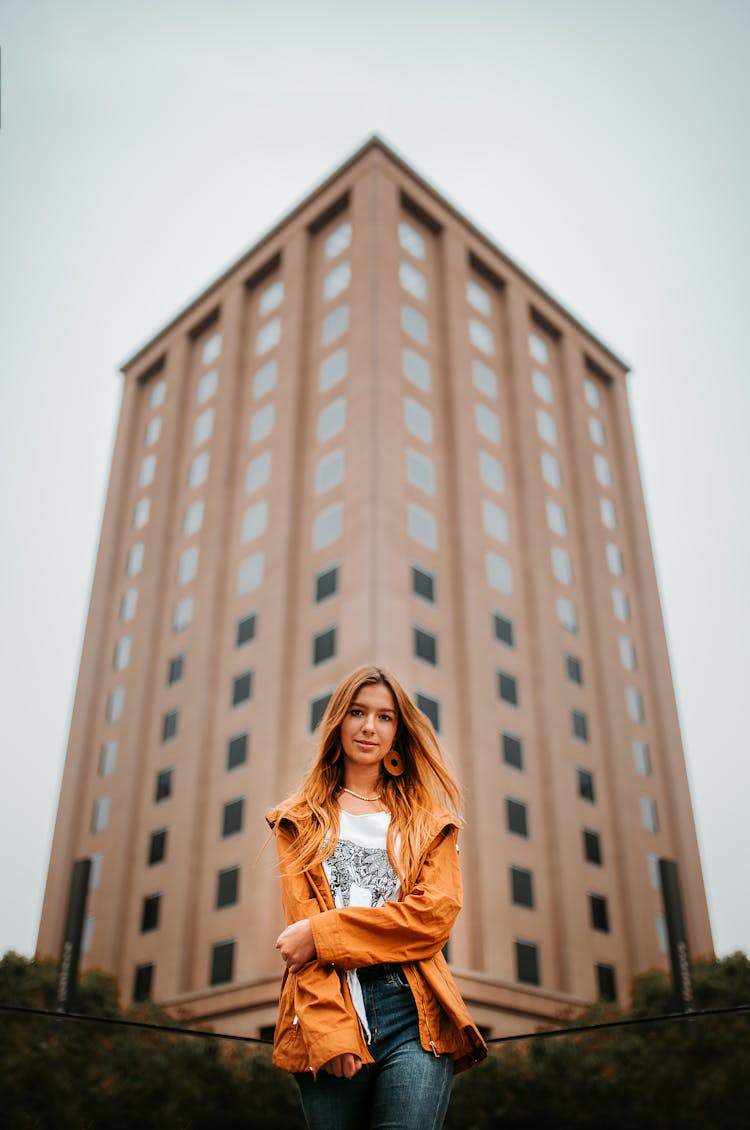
column 413, row 929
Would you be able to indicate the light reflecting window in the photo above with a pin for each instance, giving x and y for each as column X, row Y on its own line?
column 193, row 519
column 268, row 337
column 115, row 704
column 662, row 935
column 122, row 653
column 420, row 471
column 187, row 565
column 250, row 573
column 331, row 419
column 264, row 380
column 494, row 520
column 329, row 471
column 627, row 653
column 416, row 369
column 641, row 757
column 542, row 386
column 153, row 431
column 413, row 281
column 100, row 814
column 481, row 336
column 538, row 348
column 182, row 614
column 602, row 471
column 649, row 814
column 562, row 566
column 334, row 324
column 141, row 513
column 333, row 369
column 261, row 423
column 614, row 559
column 258, row 472
column 418, row 419
column 484, row 378
column 591, row 392
column 488, row 423
column 608, row 513
column 551, row 470
column 128, row 605
column 411, row 240
column 107, row 757
column 337, row 280
column 421, row 525
column 546, row 426
column 207, row 386
column 491, row 472
column 414, row 324
column 271, row 297
column 135, row 559
column 596, row 431
column 338, row 241
column 211, row 348
column 147, row 470
column 478, row 297
column 567, row 616
column 634, row 703
column 328, row 525
column 158, row 394
column 499, row 573
column 203, row 426
column 652, row 864
column 556, row 519
column 621, row 605
column 198, row 469
column 255, row 521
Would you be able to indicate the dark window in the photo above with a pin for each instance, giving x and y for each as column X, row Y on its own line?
column 573, row 669
column 592, row 849
column 227, row 886
column 425, row 646
column 430, row 707
column 423, row 584
column 176, row 671
column 318, row 709
column 515, row 814
column 585, row 784
column 150, row 913
column 237, row 751
column 246, row 629
column 512, row 751
column 522, row 892
column 157, row 848
column 163, row 785
column 579, row 725
column 327, row 583
column 267, row 1032
column 231, row 821
column 324, row 645
column 242, row 687
column 507, row 687
column 503, row 629
column 607, row 984
column 222, row 962
column 169, row 725
column 144, row 976
column 527, row 963
column 599, row 916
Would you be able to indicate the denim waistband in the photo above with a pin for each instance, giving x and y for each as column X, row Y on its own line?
column 377, row 972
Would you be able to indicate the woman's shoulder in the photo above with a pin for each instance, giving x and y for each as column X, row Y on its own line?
column 290, row 811
column 443, row 820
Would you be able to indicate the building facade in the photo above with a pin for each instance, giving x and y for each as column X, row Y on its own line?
column 375, row 438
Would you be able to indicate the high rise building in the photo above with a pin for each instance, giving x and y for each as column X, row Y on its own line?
column 375, row 438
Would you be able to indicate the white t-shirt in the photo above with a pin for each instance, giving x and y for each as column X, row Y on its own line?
column 359, row 873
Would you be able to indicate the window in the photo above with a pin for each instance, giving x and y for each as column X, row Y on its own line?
column 250, row 573
column 425, row 646
column 207, row 386
column 203, row 426
column 414, row 324
column 198, row 469
column 242, row 688
column 157, row 847
column 338, row 240
column 261, row 423
column 115, row 704
column 596, row 431
column 591, row 392
column 193, row 518
column 258, row 472
column 142, row 981
column 499, row 573
column 337, row 281
column 153, row 431
column 417, row 419
column 318, row 709
column 634, row 704
column 331, row 419
column 642, row 757
column 176, row 670
column 507, row 687
column 95, row 875
column 411, row 240
column 421, row 525
column 270, row 298
column 602, row 471
column 481, row 337
column 150, row 913
column 521, row 887
column 516, row 817
column 413, row 281
column 662, row 937
column 567, row 616
column 334, row 324
column 227, row 887
column 416, row 369
column 621, row 605
column 333, row 369
column 491, row 472
column 503, row 628
column 592, row 850
column 627, row 653
column 141, row 513
column 231, row 817
column 121, row 657
column 211, row 348
column 107, row 757
column 579, row 725
column 538, row 348
column 327, row 526
column 268, row 337
column 135, row 559
column 551, row 472
column 562, row 568
column 527, row 963
column 222, row 963
column 237, row 751
column 420, row 471
column 430, row 707
column 158, row 394
column 614, row 560
column 163, row 788
column 187, row 565
column 326, row 583
column 598, row 912
column 245, row 629
column 254, row 521
column 654, row 873
column 573, row 670
column 556, row 519
column 423, row 583
column 542, row 386
column 264, row 380
column 329, row 471
column 512, row 750
column 182, row 614
column 546, row 426
column 324, row 646
column 478, row 297
column 605, row 982
column 100, row 814
column 649, row 814
column 488, row 423
column 147, row 470
column 494, row 520
column 169, row 725
column 608, row 513
column 585, row 779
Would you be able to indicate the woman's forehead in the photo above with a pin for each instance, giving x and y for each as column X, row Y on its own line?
column 375, row 695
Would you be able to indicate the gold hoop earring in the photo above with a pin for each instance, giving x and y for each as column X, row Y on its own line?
column 393, row 764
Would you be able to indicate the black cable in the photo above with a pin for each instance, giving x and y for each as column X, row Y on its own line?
column 132, row 1024
column 667, row 1016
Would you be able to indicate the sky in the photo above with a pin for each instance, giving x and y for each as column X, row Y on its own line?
column 144, row 146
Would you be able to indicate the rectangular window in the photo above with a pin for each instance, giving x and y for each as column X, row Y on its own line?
column 338, row 241
column 527, row 963
column 596, row 431
column 176, row 670
column 416, row 369
column 193, row 518
column 417, row 419
column 516, row 817
column 579, row 725
column 135, row 559
column 421, row 525
column 100, row 814
column 237, row 751
column 327, row 526
column 654, row 874
column 329, row 471
column 614, row 560
column 141, row 513
column 599, row 914
column 337, row 281
column 556, row 519
column 585, row 780
column 203, row 427
column 503, row 628
column 608, row 513
column 324, row 646
column 245, row 629
column 158, row 394
column 420, row 471
column 232, row 816
column 621, row 605
column 642, row 757
column 485, row 380
column 107, row 757
column 538, row 348
column 262, row 423
column 430, row 707
column 413, row 281
column 198, row 469
column 487, row 422
column 602, row 471
column 318, row 709
column 150, row 913
column 494, row 520
column 153, row 431
column 592, row 849
column 326, row 583
column 163, row 788
column 222, row 963
column 268, row 337
column 634, row 704
column 507, row 687
column 169, row 725
column 115, row 704
column 147, row 470
column 551, row 470
column 414, row 324
column 573, row 670
column 211, row 348
column 333, row 369
column 250, row 573
column 567, row 615
column 425, row 646
column 591, row 392
column 423, row 584
column 512, row 750
column 521, row 887
column 649, row 814
column 242, row 688
column 499, row 573
column 157, row 847
column 546, row 427
column 481, row 337
column 258, row 472
column 562, row 566
column 334, row 324
column 331, row 419
column 542, row 386
column 227, row 887
column 270, row 298
column 143, row 981
column 207, row 386
column 411, row 240
column 491, row 472
column 478, row 297
column 605, row 982
column 187, row 565
column 254, row 521
column 627, row 653
column 121, row 657
column 264, row 380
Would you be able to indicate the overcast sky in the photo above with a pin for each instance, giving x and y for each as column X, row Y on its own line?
column 145, row 145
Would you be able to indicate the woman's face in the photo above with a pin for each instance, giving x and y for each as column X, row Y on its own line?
column 369, row 727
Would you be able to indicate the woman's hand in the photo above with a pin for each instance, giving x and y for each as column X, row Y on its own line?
column 297, row 946
column 343, row 1066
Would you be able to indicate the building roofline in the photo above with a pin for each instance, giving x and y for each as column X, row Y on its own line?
column 374, row 141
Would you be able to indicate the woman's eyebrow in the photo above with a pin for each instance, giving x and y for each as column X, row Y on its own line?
column 378, row 709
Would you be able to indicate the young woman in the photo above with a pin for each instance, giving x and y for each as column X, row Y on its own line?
column 370, row 1020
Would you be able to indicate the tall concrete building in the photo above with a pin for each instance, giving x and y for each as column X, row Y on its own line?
column 375, row 438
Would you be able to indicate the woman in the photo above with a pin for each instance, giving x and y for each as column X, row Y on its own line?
column 370, row 1020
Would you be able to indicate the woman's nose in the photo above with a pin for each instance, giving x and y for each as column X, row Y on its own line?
column 368, row 723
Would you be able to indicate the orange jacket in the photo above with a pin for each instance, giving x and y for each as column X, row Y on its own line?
column 317, row 1019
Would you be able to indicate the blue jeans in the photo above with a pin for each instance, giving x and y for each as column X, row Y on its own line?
column 406, row 1088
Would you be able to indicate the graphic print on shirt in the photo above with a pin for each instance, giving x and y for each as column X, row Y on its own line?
column 354, row 871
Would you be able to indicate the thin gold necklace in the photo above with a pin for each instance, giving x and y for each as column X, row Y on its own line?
column 351, row 792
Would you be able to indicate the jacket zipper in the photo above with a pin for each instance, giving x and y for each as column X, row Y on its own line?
column 431, row 1042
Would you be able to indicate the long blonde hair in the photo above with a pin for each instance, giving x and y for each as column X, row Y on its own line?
column 426, row 782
